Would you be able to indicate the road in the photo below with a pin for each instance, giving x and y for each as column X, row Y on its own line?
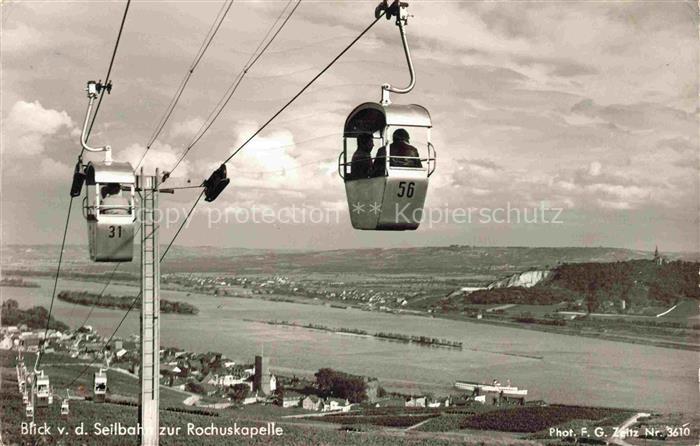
column 618, row 437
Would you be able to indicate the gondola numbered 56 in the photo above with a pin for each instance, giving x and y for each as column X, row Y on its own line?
column 387, row 191
column 391, row 194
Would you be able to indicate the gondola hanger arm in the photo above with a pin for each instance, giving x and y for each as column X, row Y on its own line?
column 93, row 89
column 397, row 9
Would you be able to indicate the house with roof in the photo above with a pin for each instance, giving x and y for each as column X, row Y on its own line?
column 416, row 401
column 335, row 405
column 311, row 402
column 439, row 402
column 31, row 342
column 6, row 343
column 290, row 399
column 390, row 402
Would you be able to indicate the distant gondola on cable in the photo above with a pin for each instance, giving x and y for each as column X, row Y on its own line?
column 99, row 387
column 42, row 390
column 387, row 191
column 65, row 408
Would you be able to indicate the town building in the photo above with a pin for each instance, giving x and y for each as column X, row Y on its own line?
column 416, row 401
column 263, row 380
column 335, row 405
column 311, row 402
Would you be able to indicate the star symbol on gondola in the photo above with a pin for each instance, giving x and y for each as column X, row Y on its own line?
column 358, row 208
column 375, row 208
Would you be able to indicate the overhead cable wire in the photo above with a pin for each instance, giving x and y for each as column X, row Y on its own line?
column 221, row 15
column 229, row 158
column 221, row 105
column 70, row 203
column 99, row 296
column 304, row 88
column 201, row 194
column 138, row 296
column 55, row 282
column 109, row 71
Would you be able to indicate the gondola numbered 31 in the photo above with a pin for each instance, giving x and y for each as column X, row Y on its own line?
column 108, row 205
column 388, row 192
column 110, row 211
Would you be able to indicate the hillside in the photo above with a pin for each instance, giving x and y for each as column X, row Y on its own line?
column 638, row 283
column 448, row 260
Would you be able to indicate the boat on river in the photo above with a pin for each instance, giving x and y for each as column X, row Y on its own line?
column 494, row 387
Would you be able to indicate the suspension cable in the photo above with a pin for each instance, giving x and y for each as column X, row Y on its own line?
column 138, row 296
column 99, row 296
column 70, row 203
column 232, row 155
column 109, row 72
column 303, row 89
column 221, row 15
column 55, row 282
column 223, row 102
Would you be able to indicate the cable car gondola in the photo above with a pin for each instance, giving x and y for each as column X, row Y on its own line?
column 42, row 390
column 391, row 196
column 29, row 411
column 388, row 192
column 65, row 408
column 110, row 211
column 109, row 206
column 99, row 387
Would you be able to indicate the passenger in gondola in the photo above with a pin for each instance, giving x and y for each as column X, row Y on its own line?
column 399, row 147
column 111, row 194
column 361, row 164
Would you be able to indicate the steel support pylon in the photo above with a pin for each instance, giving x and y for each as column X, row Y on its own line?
column 150, row 311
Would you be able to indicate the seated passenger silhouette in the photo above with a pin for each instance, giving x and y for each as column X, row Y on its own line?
column 361, row 164
column 111, row 194
column 399, row 147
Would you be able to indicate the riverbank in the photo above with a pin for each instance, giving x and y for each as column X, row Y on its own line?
column 606, row 330
column 489, row 350
column 122, row 302
column 419, row 340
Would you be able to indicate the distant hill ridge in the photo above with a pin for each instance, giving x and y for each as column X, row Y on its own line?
column 637, row 282
column 526, row 279
column 455, row 259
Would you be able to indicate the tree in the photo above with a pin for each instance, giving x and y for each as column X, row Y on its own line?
column 592, row 301
column 324, row 380
column 279, row 394
column 239, row 392
column 341, row 385
column 10, row 304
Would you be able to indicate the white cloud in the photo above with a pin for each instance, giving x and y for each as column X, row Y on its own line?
column 271, row 161
column 50, row 169
column 21, row 38
column 186, row 128
column 594, row 168
column 161, row 156
column 28, row 127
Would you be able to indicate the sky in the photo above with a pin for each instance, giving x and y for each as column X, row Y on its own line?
column 581, row 116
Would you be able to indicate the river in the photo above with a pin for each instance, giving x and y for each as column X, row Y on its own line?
column 572, row 370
